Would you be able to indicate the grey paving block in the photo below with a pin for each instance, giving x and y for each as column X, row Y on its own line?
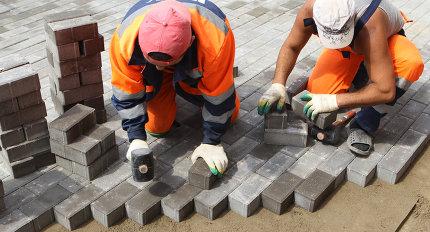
column 236, row 131
column 280, row 193
column 314, row 190
column 180, row 203
column 84, row 150
column 297, row 86
column 246, row 198
column 72, row 124
column 398, row 125
column 322, row 120
column 178, row 175
column 18, row 81
column 110, row 208
column 22, row 167
column 422, row 124
column 362, row 169
column 8, row 107
column 295, row 152
column 1, row 189
column 306, row 164
column 64, row 163
column 113, row 176
column 240, row 148
column 47, row 180
column 423, row 94
column 295, row 133
column 36, row 129
column 427, row 110
column 16, row 221
column 383, row 141
column 245, row 167
column 257, row 133
column 12, row 137
column 29, row 99
column 395, row 163
column 265, row 151
column 336, row 165
column 18, row 198
column 105, row 135
column 146, row 205
column 96, row 168
column 200, row 176
column 178, row 152
column 44, row 159
column 412, row 109
column 26, row 149
column 275, row 166
column 73, row 183
column 276, row 120
column 76, row 210
column 211, row 203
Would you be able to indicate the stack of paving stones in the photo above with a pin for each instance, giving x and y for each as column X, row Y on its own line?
column 24, row 137
column 73, row 47
column 81, row 146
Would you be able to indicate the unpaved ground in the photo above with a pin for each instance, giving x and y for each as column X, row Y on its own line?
column 378, row 207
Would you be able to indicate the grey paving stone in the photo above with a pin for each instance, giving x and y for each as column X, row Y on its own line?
column 322, row 120
column 275, row 166
column 36, row 130
column 47, row 180
column 76, row 210
column 295, row 152
column 244, row 167
column 422, row 124
column 179, row 204
column 43, row 159
column 236, row 131
column 306, row 164
column 110, row 208
column 395, row 163
column 200, row 176
column 12, row 137
column 423, row 94
column 257, row 133
column 336, row 165
column 17, row 198
column 297, row 86
column 113, row 176
column 84, row 150
column 26, row 149
column 240, row 148
column 276, row 120
column 383, row 141
column 179, row 152
column 250, row 102
column 20, row 168
column 16, row 221
column 427, row 110
column 280, row 193
column 406, row 96
column 1, row 189
column 412, row 109
column 178, row 175
column 398, row 125
column 211, row 203
column 265, row 151
column 246, row 198
column 362, row 169
column 295, row 133
column 72, row 124
column 146, row 205
column 103, row 134
column 314, row 190
column 73, row 183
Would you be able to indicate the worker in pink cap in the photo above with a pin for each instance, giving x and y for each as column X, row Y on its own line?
column 164, row 48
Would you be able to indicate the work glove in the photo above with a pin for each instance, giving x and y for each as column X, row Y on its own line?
column 136, row 144
column 213, row 155
column 276, row 93
column 319, row 103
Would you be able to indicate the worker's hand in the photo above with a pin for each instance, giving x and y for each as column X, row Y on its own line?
column 319, row 103
column 276, row 93
column 213, row 155
column 136, row 144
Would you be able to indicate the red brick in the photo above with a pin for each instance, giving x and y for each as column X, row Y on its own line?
column 27, row 149
column 92, row 46
column 21, row 117
column 65, row 83
column 101, row 116
column 82, row 64
column 97, row 103
column 44, row 159
column 63, row 52
column 72, row 30
column 90, row 62
column 8, row 107
column 17, row 82
column 31, row 99
column 22, row 167
column 91, row 77
column 77, row 95
column 12, row 137
column 36, row 129
column 60, row 108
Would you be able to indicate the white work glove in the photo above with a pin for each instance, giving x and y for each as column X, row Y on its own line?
column 136, row 144
column 319, row 103
column 276, row 93
column 213, row 155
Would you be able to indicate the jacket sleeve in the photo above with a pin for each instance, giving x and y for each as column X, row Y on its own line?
column 217, row 87
column 128, row 93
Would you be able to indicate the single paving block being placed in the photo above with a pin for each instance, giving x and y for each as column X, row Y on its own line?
column 76, row 210
column 322, row 121
column 179, row 204
column 294, row 132
column 336, row 165
column 362, row 169
column 314, row 190
column 110, row 208
column 146, row 205
column 280, row 193
column 246, row 198
column 200, row 176
column 211, row 203
column 275, row 166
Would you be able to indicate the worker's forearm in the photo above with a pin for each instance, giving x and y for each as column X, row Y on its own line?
column 367, row 96
column 284, row 65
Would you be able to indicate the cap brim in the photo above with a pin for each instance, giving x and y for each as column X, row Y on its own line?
column 333, row 41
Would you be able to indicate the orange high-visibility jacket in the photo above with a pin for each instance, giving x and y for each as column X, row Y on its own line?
column 206, row 70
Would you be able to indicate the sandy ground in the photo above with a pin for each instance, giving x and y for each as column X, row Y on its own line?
column 378, row 207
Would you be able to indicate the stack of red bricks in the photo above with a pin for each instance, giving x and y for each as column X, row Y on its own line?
column 73, row 47
column 24, row 136
column 80, row 145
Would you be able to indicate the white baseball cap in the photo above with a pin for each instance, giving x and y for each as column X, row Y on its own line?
column 335, row 21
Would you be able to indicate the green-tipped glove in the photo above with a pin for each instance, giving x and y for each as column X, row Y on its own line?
column 214, row 157
column 276, row 93
column 319, row 103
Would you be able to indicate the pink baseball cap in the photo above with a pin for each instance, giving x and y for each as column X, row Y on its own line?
column 166, row 28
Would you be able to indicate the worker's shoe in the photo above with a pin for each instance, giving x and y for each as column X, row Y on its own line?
column 359, row 141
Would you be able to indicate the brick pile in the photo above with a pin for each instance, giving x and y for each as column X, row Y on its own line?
column 73, row 47
column 80, row 145
column 24, row 137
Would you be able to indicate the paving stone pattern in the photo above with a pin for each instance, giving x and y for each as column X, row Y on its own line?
column 66, row 64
